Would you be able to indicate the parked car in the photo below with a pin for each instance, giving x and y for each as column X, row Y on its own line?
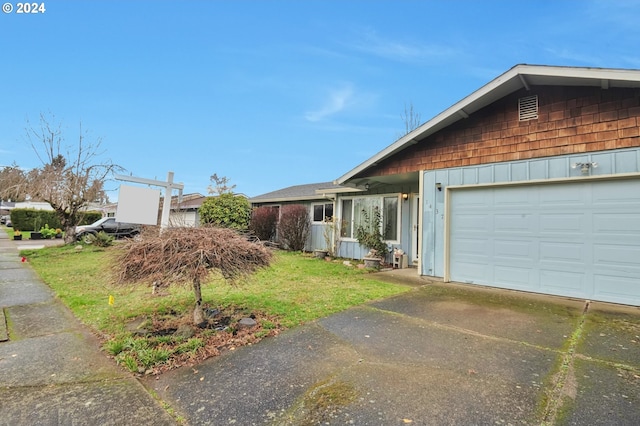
column 110, row 226
column 4, row 219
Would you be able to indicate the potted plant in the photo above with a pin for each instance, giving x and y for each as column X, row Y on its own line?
column 47, row 232
column 372, row 259
column 320, row 253
column 58, row 233
column 369, row 235
column 17, row 235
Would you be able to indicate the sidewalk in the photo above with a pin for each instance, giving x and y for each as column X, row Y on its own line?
column 51, row 369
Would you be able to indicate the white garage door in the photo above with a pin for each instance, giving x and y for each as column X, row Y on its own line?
column 579, row 239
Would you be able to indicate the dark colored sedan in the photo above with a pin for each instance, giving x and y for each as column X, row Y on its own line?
column 109, row 226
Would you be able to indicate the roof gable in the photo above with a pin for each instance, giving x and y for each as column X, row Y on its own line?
column 518, row 77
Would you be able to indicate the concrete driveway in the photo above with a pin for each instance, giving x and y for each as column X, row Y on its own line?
column 442, row 354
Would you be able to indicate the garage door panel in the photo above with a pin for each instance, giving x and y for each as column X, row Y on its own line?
column 617, row 258
column 475, row 201
column 469, row 272
column 514, row 277
column 476, row 223
column 565, row 252
column 513, row 250
column 475, row 247
column 512, row 198
column 553, row 196
column 617, row 289
column 514, row 223
column 563, row 282
column 616, row 225
column 567, row 223
column 623, row 193
column 577, row 239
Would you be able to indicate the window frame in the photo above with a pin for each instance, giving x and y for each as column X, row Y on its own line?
column 324, row 212
column 380, row 198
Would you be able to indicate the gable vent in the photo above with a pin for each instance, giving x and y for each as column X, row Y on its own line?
column 528, row 108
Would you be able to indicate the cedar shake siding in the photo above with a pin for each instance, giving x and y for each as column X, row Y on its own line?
column 571, row 119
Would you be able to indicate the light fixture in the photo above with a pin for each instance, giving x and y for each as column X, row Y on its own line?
column 405, row 196
column 585, row 167
column 439, row 186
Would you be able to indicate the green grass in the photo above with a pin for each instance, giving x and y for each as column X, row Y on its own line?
column 297, row 288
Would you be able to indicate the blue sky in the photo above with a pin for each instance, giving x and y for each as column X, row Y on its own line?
column 275, row 93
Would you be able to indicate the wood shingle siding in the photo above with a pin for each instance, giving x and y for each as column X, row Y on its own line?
column 570, row 120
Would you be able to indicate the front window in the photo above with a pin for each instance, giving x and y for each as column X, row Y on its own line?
column 390, row 219
column 347, row 218
column 354, row 212
column 322, row 212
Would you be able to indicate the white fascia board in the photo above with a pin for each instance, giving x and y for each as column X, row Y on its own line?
column 337, row 190
column 287, row 199
column 575, row 72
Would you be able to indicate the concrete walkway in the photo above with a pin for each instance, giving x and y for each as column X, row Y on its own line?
column 51, row 369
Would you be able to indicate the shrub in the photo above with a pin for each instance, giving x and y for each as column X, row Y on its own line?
column 263, row 222
column 294, row 226
column 368, row 233
column 48, row 232
column 89, row 217
column 226, row 211
column 101, row 239
column 33, row 219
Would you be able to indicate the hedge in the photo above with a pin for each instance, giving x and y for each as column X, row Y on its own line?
column 33, row 219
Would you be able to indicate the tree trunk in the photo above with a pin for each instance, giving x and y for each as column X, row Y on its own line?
column 198, row 314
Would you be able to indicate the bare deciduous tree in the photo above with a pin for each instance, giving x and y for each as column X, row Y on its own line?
column 12, row 183
column 71, row 176
column 411, row 118
column 220, row 185
column 188, row 255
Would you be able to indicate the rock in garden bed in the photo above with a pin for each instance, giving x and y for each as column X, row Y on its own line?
column 188, row 344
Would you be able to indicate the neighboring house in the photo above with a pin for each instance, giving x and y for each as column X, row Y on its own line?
column 6, row 207
column 318, row 197
column 185, row 212
column 35, row 205
column 532, row 183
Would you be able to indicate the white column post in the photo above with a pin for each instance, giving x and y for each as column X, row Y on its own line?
column 166, row 204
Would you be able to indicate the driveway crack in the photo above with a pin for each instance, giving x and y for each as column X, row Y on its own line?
column 563, row 382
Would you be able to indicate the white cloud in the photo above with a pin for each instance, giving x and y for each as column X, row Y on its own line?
column 337, row 101
column 369, row 41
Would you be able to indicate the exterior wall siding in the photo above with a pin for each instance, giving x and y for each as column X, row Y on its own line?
column 432, row 251
column 570, row 120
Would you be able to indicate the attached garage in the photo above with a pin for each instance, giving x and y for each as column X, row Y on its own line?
column 570, row 238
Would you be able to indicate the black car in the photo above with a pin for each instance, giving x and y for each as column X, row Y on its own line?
column 109, row 226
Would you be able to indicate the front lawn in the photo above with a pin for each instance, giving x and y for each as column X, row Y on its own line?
column 295, row 289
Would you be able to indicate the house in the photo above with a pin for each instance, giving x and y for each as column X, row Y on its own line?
column 183, row 213
column 318, row 197
column 532, row 182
